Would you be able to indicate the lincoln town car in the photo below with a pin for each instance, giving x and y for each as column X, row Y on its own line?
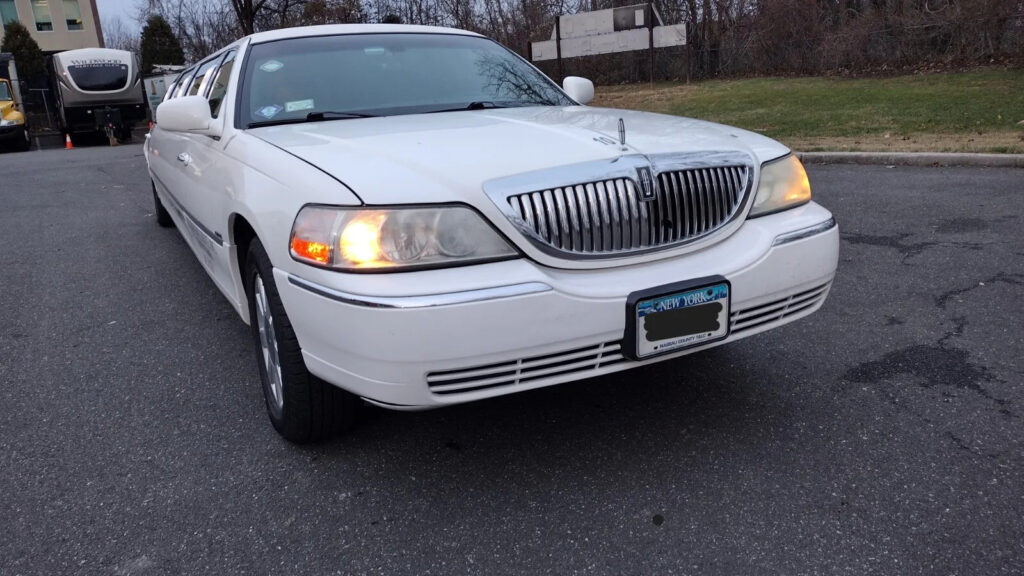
column 416, row 217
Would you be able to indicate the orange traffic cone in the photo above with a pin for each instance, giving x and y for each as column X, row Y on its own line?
column 67, row 142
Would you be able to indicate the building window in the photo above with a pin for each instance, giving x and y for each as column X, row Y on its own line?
column 41, row 11
column 8, row 12
column 72, row 15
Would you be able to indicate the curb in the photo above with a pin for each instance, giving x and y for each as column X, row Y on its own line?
column 914, row 159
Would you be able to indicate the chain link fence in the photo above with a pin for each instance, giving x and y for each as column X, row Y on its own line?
column 38, row 106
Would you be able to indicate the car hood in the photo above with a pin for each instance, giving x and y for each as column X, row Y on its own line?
column 445, row 157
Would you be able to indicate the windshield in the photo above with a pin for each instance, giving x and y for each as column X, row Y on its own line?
column 5, row 92
column 99, row 76
column 384, row 75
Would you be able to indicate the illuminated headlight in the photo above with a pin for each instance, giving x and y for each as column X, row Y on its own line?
column 9, row 122
column 394, row 238
column 783, row 185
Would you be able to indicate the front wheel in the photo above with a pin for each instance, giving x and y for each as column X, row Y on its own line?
column 302, row 407
column 25, row 142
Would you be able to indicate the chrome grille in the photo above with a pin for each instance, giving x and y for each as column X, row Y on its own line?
column 609, row 217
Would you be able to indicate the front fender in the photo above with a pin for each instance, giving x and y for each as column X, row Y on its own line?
column 15, row 116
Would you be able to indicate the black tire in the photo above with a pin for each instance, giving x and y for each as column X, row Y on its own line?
column 310, row 409
column 25, row 142
column 163, row 217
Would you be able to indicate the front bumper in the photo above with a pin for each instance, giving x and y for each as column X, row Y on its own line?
column 442, row 337
column 12, row 134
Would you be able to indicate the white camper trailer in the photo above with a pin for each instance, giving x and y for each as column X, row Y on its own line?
column 98, row 90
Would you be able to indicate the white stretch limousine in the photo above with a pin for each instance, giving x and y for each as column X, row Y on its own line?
column 417, row 217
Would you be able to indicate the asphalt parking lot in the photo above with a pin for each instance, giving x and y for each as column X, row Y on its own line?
column 882, row 435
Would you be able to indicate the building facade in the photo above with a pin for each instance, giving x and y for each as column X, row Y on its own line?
column 56, row 25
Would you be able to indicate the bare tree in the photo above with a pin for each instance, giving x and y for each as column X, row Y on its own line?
column 727, row 37
column 201, row 26
column 119, row 35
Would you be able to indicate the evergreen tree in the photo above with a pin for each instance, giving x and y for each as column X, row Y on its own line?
column 159, row 45
column 27, row 55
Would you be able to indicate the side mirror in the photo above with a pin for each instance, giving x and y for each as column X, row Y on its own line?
column 187, row 114
column 579, row 89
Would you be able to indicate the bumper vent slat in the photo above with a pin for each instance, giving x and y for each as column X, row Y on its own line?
column 750, row 318
column 589, row 360
column 609, row 217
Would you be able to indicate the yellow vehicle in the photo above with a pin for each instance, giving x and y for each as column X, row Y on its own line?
column 13, row 126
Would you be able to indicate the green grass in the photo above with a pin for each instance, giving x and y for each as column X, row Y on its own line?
column 959, row 106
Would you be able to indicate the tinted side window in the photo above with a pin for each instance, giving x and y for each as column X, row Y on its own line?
column 186, row 76
column 220, row 84
column 171, row 89
column 205, row 69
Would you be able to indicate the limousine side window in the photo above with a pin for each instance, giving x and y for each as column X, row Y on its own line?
column 186, row 76
column 220, row 84
column 205, row 69
column 170, row 91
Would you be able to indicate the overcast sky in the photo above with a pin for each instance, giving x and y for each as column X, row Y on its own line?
column 123, row 8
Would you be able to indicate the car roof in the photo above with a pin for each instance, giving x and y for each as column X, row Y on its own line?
column 334, row 29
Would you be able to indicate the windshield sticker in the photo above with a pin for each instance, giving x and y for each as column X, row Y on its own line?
column 298, row 105
column 271, row 66
column 269, row 111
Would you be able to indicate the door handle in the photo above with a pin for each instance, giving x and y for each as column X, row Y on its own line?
column 185, row 157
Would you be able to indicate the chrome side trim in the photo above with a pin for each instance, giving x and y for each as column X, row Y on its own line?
column 214, row 236
column 422, row 301
column 805, row 232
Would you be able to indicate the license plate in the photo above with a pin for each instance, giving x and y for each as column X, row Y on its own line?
column 670, row 318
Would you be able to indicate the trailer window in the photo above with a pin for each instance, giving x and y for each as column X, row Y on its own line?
column 99, row 76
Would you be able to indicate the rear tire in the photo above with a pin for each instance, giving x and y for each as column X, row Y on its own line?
column 163, row 217
column 302, row 407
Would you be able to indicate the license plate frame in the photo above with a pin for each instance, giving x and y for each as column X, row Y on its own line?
column 637, row 346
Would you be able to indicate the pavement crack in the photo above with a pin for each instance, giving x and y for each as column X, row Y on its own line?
column 961, row 225
column 899, row 243
column 1014, row 279
column 961, row 444
column 959, row 324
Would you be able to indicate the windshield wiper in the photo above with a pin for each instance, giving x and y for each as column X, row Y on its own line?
column 312, row 117
column 332, row 115
column 478, row 105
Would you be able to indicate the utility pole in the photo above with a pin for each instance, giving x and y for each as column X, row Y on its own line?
column 650, row 36
column 558, row 46
column 687, row 51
